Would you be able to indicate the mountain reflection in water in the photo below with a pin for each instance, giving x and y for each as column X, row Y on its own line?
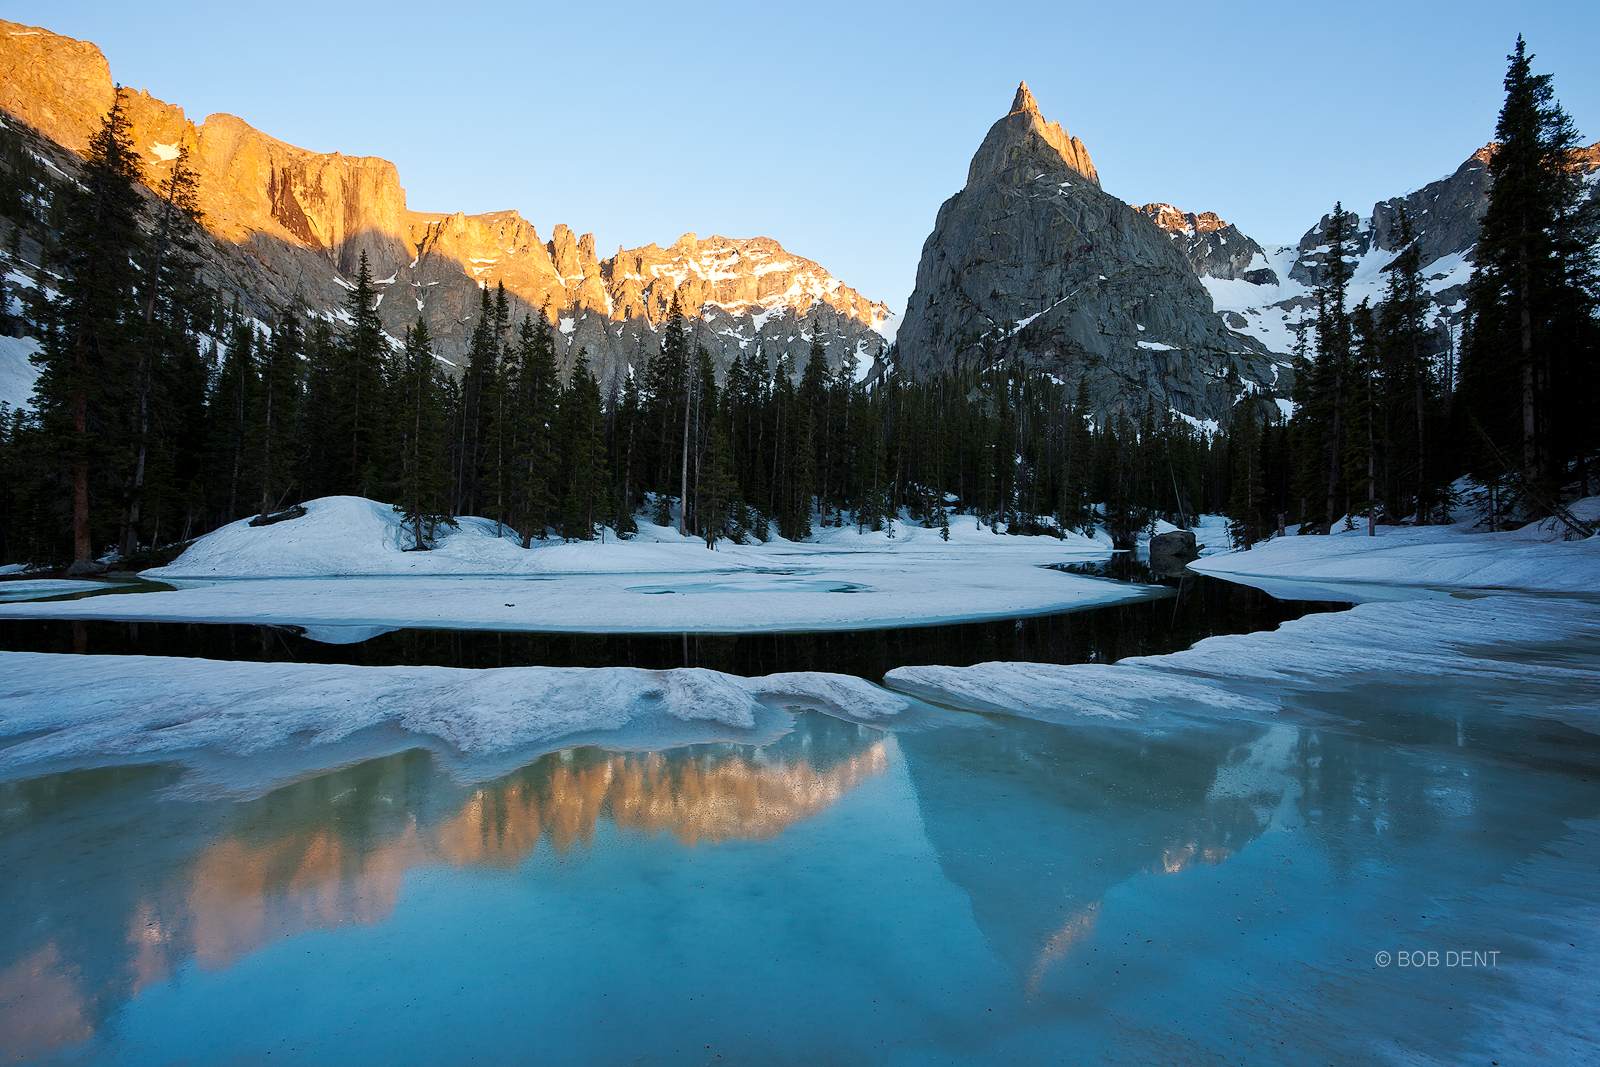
column 992, row 880
column 334, row 851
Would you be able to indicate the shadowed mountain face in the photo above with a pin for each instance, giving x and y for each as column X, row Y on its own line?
column 292, row 225
column 1275, row 291
column 1215, row 249
column 1034, row 261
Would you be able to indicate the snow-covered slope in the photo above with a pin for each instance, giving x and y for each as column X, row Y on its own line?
column 1269, row 296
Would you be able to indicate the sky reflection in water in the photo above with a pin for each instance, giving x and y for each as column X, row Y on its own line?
column 1003, row 891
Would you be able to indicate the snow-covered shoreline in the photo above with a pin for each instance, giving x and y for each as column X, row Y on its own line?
column 1435, row 604
column 1533, row 558
column 343, row 567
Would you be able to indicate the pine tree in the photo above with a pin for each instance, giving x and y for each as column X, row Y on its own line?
column 317, row 421
column 1410, row 387
column 1245, row 527
column 276, row 404
column 88, row 363
column 1530, row 303
column 228, row 417
column 358, row 388
column 721, row 490
column 585, row 486
column 423, row 472
column 1321, row 391
column 533, row 388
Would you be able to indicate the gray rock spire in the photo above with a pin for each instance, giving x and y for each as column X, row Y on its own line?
column 1033, row 261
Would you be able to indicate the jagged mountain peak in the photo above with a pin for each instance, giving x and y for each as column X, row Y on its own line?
column 288, row 226
column 1176, row 220
column 1024, row 102
column 1033, row 261
column 1025, row 137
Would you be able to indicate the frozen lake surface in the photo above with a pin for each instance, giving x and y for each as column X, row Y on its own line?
column 1363, row 836
column 992, row 890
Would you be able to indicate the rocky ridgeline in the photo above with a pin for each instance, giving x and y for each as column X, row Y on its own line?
column 1215, row 249
column 290, row 226
column 1033, row 261
column 1444, row 216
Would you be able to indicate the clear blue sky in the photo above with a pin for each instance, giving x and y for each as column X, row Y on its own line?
column 838, row 129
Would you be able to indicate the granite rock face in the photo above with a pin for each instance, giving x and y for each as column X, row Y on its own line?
column 1215, row 249
column 1033, row 261
column 289, row 226
column 1280, row 303
column 1444, row 217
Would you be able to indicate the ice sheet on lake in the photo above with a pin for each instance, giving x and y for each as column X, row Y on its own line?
column 33, row 588
column 1498, row 646
column 249, row 725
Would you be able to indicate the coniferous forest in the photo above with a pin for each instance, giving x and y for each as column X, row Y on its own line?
column 163, row 411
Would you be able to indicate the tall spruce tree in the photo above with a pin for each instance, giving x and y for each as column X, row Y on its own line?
column 1322, row 389
column 88, row 363
column 358, row 388
column 1528, row 351
column 533, row 389
column 585, row 486
column 275, row 407
column 423, row 474
column 1410, row 386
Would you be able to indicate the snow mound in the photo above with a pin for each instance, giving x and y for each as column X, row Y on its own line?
column 342, row 535
column 346, row 536
column 260, row 722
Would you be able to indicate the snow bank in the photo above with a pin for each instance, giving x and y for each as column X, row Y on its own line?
column 248, row 725
column 342, row 568
column 854, row 594
column 1534, row 558
column 1498, row 648
column 346, row 536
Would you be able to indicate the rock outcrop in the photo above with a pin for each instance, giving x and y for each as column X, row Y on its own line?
column 1032, row 260
column 1215, row 249
column 289, row 226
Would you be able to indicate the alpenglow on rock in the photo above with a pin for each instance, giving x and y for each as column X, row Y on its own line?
column 287, row 226
column 1032, row 260
column 1215, row 249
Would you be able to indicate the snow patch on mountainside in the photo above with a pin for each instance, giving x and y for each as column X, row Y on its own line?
column 17, row 375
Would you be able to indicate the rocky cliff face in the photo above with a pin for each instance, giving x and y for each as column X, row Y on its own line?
column 1444, row 216
column 1215, row 249
column 290, row 226
column 1032, row 260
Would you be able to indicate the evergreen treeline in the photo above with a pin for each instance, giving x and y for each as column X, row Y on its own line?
column 161, row 414
column 1385, row 421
